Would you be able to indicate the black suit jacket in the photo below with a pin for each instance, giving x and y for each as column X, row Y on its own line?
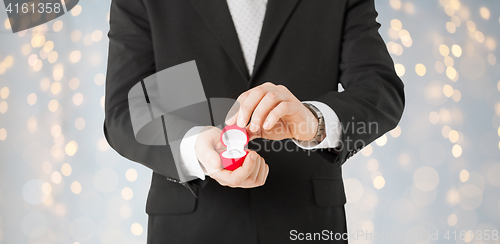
column 309, row 47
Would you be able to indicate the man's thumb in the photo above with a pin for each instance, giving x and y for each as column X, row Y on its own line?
column 215, row 161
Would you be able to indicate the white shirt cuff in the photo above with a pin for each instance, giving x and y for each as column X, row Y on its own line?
column 333, row 128
column 189, row 162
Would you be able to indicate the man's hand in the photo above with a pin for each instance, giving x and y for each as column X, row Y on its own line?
column 252, row 173
column 274, row 113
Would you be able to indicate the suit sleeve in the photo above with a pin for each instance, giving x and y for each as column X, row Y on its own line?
column 373, row 100
column 130, row 60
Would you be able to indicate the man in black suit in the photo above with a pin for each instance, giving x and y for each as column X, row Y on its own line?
column 305, row 48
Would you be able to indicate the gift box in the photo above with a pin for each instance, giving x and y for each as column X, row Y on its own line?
column 235, row 139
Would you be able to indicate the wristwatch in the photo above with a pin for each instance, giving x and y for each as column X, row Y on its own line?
column 320, row 132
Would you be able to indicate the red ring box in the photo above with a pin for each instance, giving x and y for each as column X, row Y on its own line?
column 235, row 139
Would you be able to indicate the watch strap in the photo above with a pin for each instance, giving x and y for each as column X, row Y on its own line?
column 320, row 132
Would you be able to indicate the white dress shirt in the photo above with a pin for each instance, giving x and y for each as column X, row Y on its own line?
column 248, row 17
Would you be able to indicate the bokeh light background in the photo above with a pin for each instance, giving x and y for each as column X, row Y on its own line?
column 439, row 170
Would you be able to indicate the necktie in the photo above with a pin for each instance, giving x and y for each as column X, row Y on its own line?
column 248, row 16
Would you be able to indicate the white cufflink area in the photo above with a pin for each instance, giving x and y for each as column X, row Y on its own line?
column 190, row 164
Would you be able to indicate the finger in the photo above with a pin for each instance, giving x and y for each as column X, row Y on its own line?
column 233, row 111
column 249, row 105
column 253, row 135
column 276, row 114
column 223, row 176
column 232, row 115
column 211, row 159
column 220, row 147
column 242, row 173
column 241, row 98
column 221, row 182
column 253, row 177
column 264, row 171
column 237, row 177
column 266, row 105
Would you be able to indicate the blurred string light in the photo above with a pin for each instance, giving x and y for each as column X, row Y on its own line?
column 465, row 49
column 49, row 56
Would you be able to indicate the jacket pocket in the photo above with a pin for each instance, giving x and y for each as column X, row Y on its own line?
column 174, row 200
column 328, row 191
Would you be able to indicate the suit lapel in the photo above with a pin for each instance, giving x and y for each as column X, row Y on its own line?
column 216, row 15
column 277, row 14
